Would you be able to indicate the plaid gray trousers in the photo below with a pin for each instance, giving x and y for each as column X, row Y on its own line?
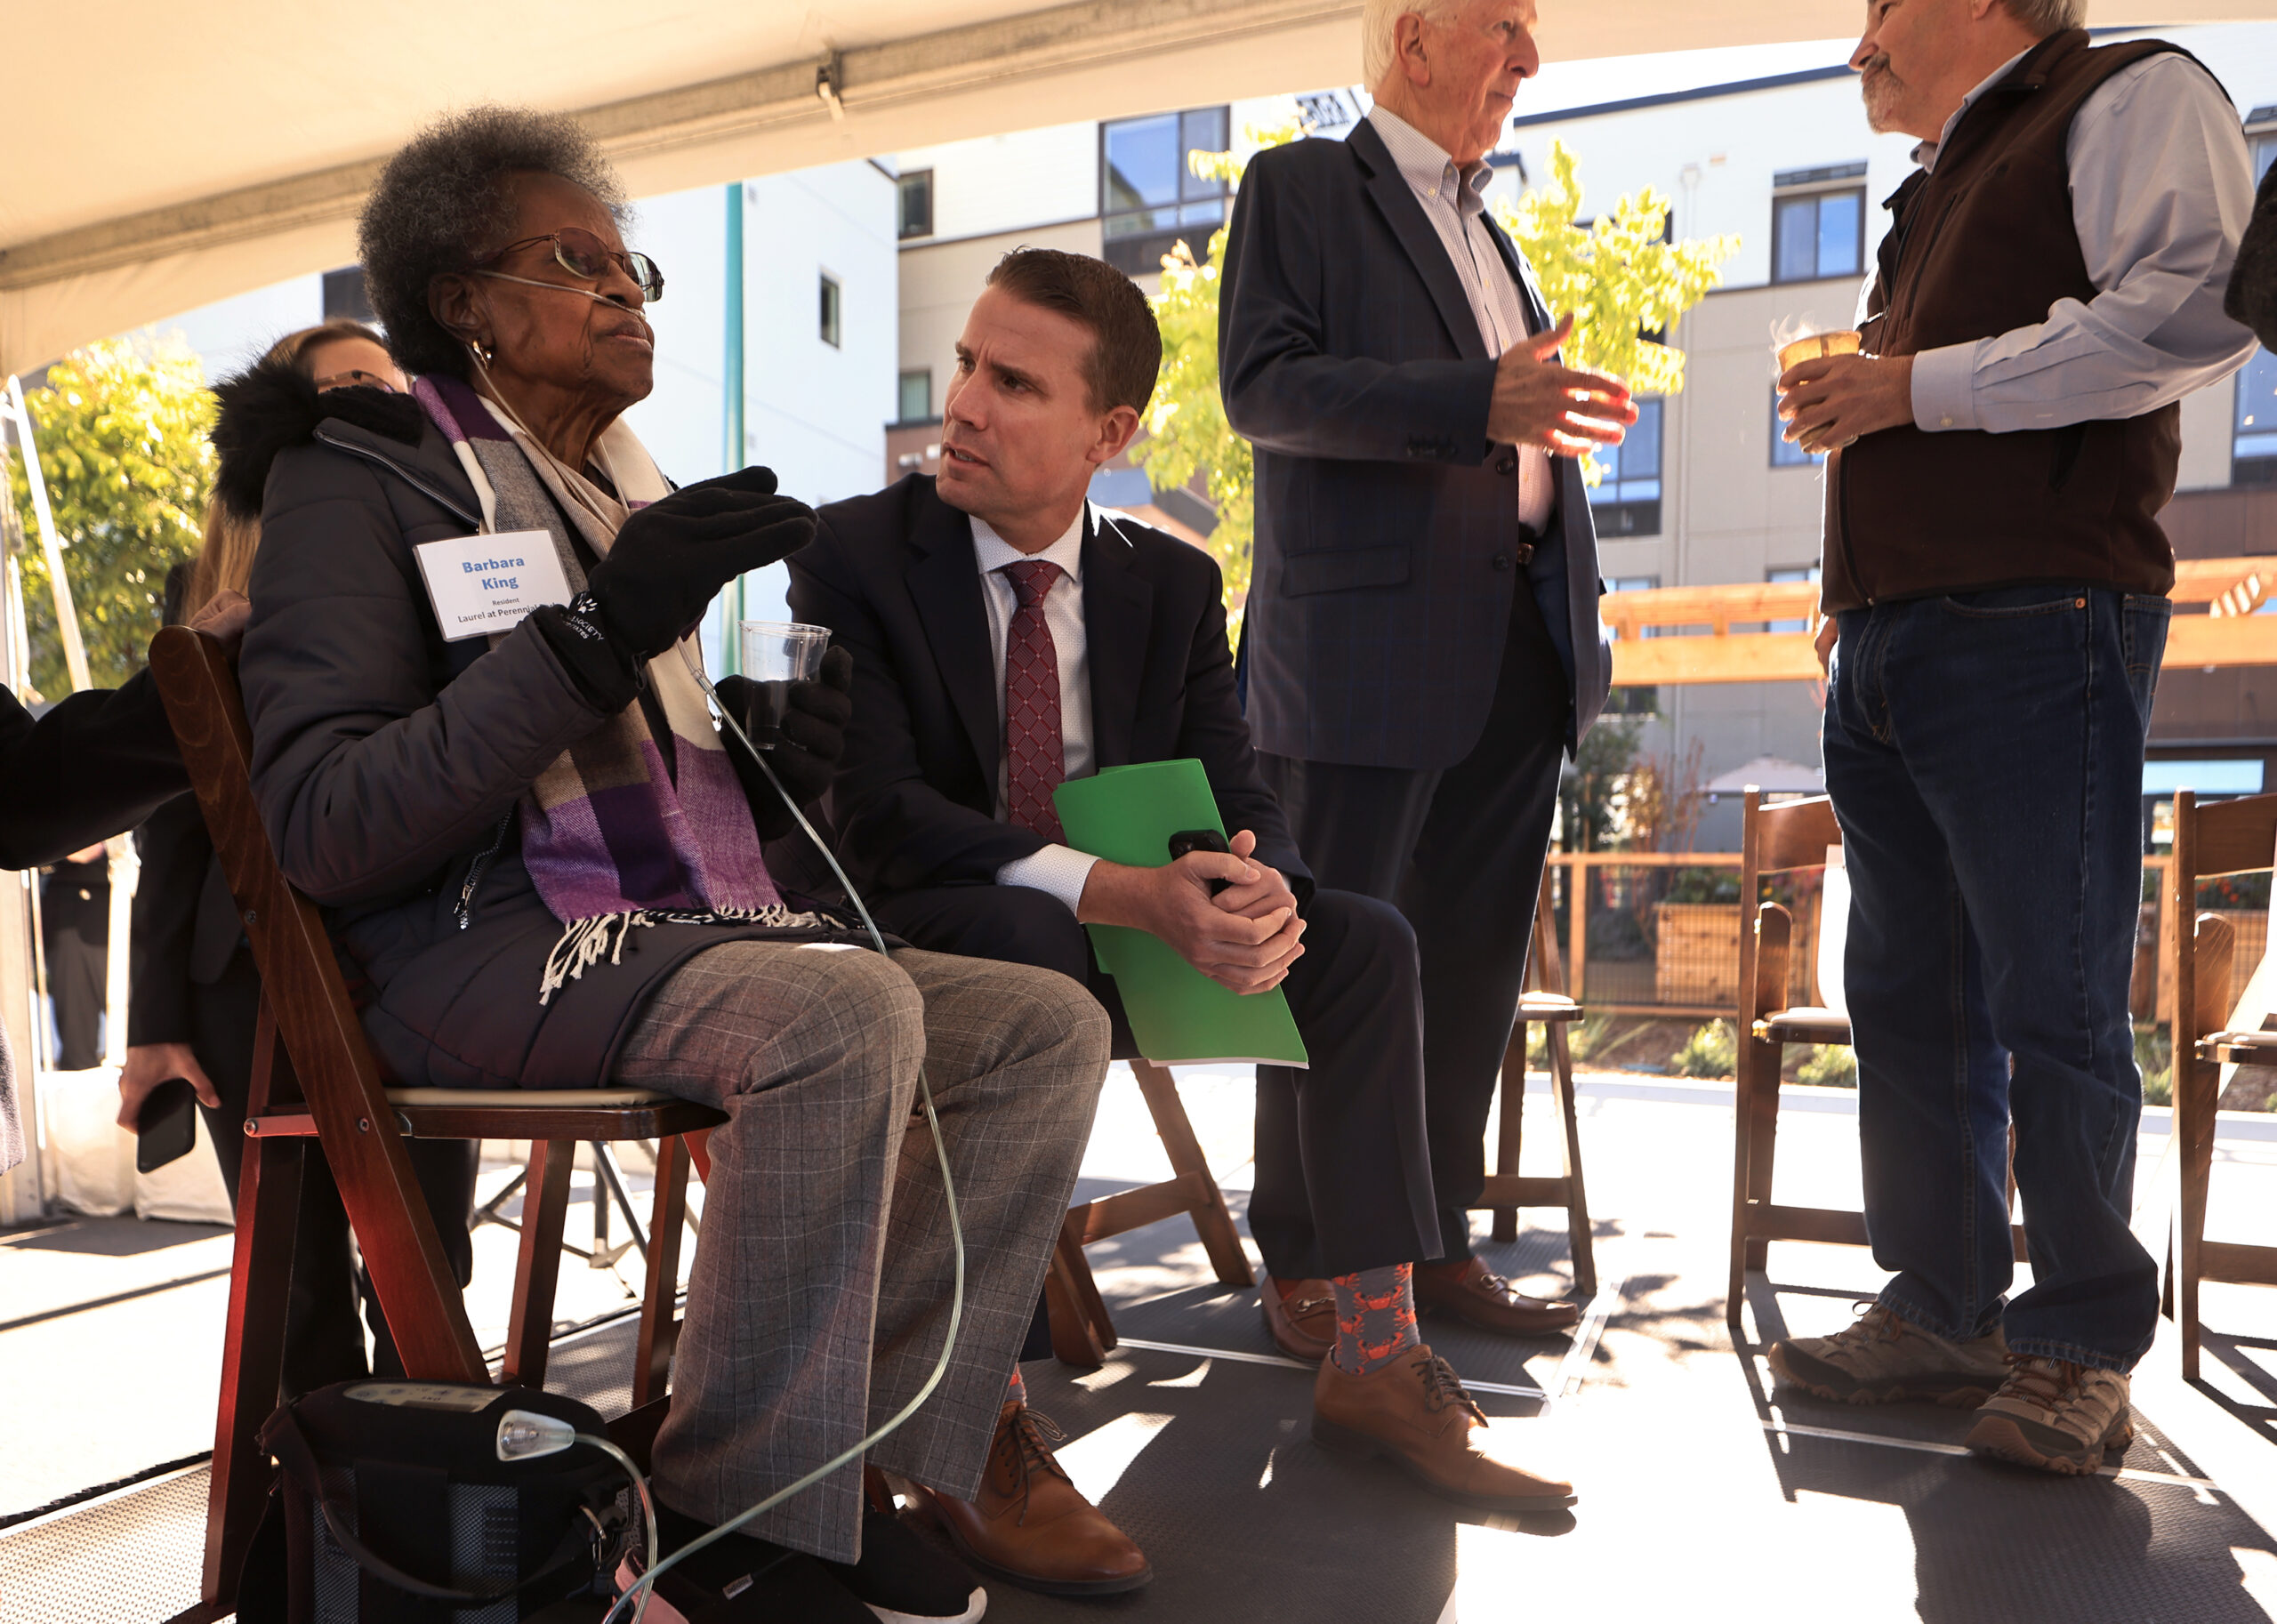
column 820, row 1289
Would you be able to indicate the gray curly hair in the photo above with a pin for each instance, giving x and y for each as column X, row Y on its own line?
column 442, row 205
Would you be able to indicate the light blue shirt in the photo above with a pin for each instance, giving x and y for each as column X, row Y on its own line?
column 2161, row 189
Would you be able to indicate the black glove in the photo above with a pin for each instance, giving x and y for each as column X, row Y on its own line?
column 812, row 738
column 671, row 559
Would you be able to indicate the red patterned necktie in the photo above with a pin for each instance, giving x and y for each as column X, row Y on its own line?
column 1032, row 757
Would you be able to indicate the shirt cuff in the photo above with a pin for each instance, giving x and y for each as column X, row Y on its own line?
column 1944, row 387
column 1059, row 870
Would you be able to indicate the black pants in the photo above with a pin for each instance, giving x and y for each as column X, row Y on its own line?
column 1459, row 850
column 75, row 923
column 323, row 1342
column 1343, row 1179
column 79, row 972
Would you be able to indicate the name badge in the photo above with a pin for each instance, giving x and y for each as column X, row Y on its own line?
column 483, row 584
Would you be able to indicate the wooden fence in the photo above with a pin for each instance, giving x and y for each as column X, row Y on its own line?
column 1657, row 933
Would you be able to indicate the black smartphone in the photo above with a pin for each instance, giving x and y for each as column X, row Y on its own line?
column 167, row 1126
column 1200, row 840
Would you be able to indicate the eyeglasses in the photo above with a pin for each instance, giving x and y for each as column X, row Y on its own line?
column 354, row 378
column 580, row 253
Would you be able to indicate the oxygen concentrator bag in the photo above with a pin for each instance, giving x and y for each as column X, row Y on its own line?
column 397, row 1509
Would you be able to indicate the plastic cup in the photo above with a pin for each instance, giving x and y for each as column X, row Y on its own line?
column 1843, row 341
column 777, row 654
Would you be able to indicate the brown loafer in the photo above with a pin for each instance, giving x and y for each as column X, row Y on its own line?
column 1490, row 1302
column 1414, row 1410
column 1303, row 1324
column 1030, row 1526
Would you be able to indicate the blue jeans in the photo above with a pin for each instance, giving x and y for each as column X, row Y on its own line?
column 1984, row 753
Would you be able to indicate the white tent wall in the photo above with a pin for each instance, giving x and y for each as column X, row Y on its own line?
column 204, row 167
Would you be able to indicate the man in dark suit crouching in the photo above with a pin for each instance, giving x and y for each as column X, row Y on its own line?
column 1008, row 635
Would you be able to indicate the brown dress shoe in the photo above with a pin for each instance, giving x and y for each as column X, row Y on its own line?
column 1303, row 1325
column 1489, row 1301
column 1414, row 1410
column 1031, row 1527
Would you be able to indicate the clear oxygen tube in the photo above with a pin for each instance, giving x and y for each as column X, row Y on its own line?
column 657, row 1567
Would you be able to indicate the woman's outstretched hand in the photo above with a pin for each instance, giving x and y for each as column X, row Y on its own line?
column 673, row 557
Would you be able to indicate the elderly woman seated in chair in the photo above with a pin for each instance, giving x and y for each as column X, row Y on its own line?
column 546, row 865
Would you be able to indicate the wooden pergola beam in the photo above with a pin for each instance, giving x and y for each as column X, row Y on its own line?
column 1697, row 642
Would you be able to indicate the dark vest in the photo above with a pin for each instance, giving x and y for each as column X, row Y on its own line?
column 1983, row 244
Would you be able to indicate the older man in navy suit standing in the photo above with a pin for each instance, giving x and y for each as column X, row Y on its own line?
column 1422, row 642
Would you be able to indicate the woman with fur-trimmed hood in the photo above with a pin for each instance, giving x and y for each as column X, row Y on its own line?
column 196, row 993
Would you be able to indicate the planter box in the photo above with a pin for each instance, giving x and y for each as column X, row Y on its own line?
column 1697, row 960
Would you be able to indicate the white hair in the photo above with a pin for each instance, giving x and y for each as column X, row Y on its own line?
column 1380, row 32
column 2046, row 17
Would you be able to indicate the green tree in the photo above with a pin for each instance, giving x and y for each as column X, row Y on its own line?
column 1622, row 281
column 121, row 429
column 1621, row 278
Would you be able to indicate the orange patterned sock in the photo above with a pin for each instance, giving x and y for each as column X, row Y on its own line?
column 1375, row 1317
column 1017, row 1393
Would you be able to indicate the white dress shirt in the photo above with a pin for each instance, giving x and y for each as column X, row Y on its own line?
column 1453, row 203
column 1060, row 869
column 2161, row 189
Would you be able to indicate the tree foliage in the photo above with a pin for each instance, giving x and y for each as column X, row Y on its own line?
column 1617, row 276
column 122, row 431
column 1186, row 431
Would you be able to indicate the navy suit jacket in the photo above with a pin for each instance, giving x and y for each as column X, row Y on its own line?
column 894, row 578
column 1387, row 524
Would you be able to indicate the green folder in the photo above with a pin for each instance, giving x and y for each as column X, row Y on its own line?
column 1127, row 814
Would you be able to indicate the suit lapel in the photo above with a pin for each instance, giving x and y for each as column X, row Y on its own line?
column 1414, row 228
column 944, row 583
column 1118, row 611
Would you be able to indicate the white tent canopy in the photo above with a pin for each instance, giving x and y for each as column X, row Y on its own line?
column 158, row 156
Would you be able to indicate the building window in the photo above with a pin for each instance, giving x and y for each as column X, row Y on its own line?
column 830, row 310
column 1638, row 583
column 1627, row 501
column 1784, row 452
column 1777, row 577
column 916, row 203
column 2253, row 447
column 2262, row 139
column 345, row 296
column 1821, row 232
column 1149, row 196
column 917, row 396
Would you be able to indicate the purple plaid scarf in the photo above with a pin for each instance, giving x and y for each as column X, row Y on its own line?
column 612, row 839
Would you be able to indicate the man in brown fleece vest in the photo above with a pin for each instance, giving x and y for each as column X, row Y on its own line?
column 2049, row 287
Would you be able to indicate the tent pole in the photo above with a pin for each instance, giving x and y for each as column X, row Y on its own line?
column 23, row 1191
column 67, row 618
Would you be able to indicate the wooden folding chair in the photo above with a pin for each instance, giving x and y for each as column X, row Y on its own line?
column 1777, row 840
column 314, row 1076
column 1544, row 1001
column 2224, row 837
column 1081, row 1332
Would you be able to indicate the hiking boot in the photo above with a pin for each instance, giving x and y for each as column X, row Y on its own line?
column 1887, row 1359
column 2054, row 1415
